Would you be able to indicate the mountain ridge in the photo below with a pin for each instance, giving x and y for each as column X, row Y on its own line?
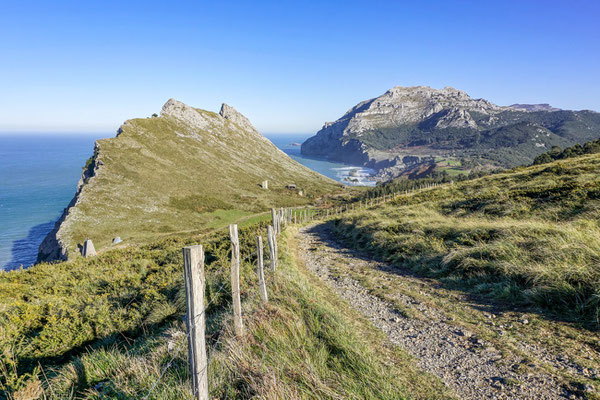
column 419, row 120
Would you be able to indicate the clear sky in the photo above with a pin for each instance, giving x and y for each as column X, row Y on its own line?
column 86, row 66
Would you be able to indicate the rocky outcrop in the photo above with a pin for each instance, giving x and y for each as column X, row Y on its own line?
column 184, row 113
column 234, row 116
column 456, row 118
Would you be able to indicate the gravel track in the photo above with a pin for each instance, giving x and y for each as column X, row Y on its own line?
column 472, row 368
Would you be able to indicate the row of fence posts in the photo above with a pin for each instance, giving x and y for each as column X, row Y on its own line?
column 193, row 262
column 303, row 215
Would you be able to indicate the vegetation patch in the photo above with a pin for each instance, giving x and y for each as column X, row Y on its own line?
column 199, row 203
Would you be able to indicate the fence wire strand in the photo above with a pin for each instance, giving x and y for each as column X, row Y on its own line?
column 181, row 345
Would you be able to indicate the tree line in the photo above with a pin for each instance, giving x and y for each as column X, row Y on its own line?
column 556, row 153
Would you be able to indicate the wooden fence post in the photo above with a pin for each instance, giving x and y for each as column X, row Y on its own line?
column 235, row 280
column 193, row 268
column 261, row 272
column 272, row 247
column 278, row 222
column 274, row 219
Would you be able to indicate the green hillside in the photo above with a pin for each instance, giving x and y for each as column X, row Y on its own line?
column 529, row 236
column 108, row 326
column 513, row 138
column 188, row 169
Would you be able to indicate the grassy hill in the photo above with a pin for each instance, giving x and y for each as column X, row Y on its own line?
column 188, row 169
column 528, row 237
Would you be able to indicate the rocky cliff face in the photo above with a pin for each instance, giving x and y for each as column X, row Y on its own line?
column 427, row 120
column 53, row 248
column 185, row 170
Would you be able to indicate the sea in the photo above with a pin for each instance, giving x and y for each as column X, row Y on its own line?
column 348, row 174
column 39, row 175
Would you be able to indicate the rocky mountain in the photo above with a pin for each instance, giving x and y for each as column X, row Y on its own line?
column 187, row 170
column 424, row 122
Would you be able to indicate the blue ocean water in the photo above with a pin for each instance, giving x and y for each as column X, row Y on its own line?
column 39, row 174
column 338, row 171
column 38, row 178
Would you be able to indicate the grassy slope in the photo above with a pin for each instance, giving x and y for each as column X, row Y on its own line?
column 530, row 236
column 161, row 175
column 107, row 327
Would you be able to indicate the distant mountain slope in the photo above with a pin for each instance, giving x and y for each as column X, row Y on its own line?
column 422, row 121
column 188, row 169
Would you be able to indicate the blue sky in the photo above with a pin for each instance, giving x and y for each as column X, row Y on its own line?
column 86, row 66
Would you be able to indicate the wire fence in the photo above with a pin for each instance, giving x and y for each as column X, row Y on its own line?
column 183, row 342
column 280, row 218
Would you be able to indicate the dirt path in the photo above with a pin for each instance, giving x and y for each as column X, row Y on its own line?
column 472, row 368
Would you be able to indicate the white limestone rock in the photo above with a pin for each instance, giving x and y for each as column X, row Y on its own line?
column 186, row 114
column 234, row 116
